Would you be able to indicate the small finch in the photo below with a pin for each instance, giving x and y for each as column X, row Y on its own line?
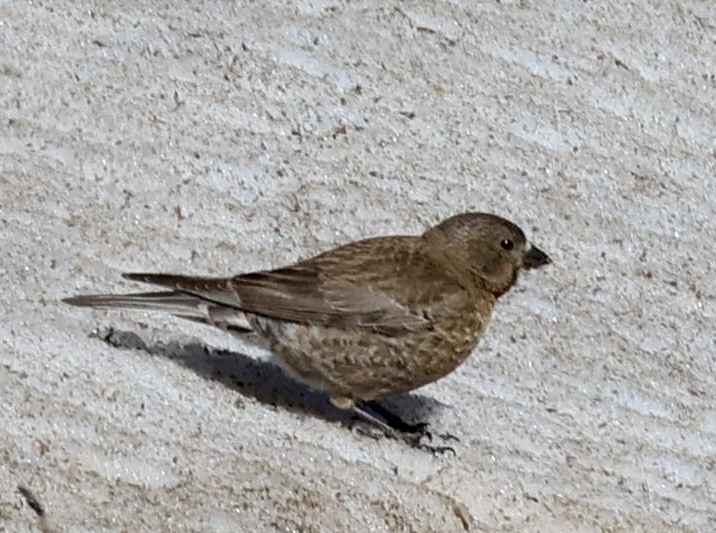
column 365, row 321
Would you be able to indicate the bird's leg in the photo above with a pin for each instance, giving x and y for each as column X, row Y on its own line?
column 401, row 425
column 373, row 420
column 394, row 426
column 397, row 423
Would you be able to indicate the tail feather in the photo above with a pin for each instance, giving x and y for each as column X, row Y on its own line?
column 167, row 301
column 177, row 303
column 218, row 290
column 166, row 280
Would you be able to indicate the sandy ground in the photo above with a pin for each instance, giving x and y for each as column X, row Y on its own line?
column 218, row 137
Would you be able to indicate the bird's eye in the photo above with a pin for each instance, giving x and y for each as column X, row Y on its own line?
column 507, row 244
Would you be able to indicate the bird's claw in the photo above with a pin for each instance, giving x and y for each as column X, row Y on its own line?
column 415, row 440
column 418, row 444
column 367, row 430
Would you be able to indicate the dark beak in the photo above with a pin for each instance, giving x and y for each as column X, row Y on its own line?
column 535, row 258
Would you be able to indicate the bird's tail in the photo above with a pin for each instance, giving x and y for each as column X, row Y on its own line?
column 167, row 301
column 177, row 303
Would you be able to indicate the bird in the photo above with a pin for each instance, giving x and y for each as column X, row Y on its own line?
column 365, row 321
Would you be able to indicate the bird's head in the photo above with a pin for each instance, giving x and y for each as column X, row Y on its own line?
column 489, row 247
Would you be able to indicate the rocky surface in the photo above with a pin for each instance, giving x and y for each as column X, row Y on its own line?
column 218, row 137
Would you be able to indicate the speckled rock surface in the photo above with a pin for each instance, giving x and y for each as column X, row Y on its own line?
column 218, row 137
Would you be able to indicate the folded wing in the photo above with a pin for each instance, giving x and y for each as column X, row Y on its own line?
column 361, row 285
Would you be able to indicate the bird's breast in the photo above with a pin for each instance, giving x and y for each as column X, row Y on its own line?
column 361, row 363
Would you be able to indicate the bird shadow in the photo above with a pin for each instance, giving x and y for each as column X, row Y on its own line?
column 262, row 380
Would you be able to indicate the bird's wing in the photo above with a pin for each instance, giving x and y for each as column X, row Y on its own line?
column 386, row 285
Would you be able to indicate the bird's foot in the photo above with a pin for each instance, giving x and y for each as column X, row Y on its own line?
column 417, row 441
column 415, row 435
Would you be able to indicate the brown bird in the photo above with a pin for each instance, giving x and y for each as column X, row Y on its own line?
column 368, row 320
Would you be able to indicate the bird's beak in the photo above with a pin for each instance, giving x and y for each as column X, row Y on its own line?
column 535, row 258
